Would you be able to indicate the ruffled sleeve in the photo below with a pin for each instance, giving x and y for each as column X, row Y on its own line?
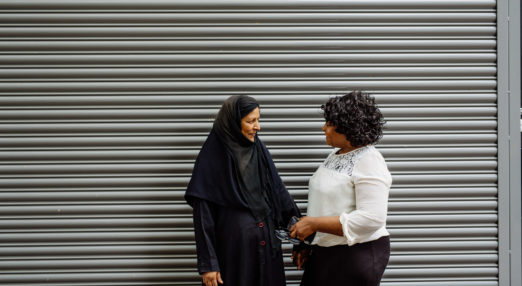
column 372, row 182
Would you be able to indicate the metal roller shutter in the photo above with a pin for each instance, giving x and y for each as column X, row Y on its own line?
column 105, row 104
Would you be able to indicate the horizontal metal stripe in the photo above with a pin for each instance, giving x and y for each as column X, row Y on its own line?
column 439, row 165
column 180, row 18
column 152, row 264
column 420, row 125
column 253, row 31
column 443, row 246
column 295, row 5
column 172, row 262
column 396, row 219
column 475, row 272
column 191, row 113
column 38, row 129
column 137, row 208
column 441, row 282
column 94, row 224
column 437, row 220
column 447, row 232
column 112, row 223
column 125, row 194
column 159, row 73
column 447, row 179
column 431, row 260
column 144, row 208
column 100, row 209
column 97, row 196
column 440, row 153
column 314, row 81
column 441, row 259
column 293, row 281
column 192, row 278
column 195, row 280
column 295, row 139
column 406, row 139
column 178, row 168
column 363, row 59
column 58, row 169
column 56, row 156
column 79, row 100
column 135, row 180
column 155, row 236
column 151, row 141
column 423, row 192
column 93, row 237
column 169, row 249
column 126, row 155
column 247, row 45
column 94, row 181
column 100, row 264
column 456, row 206
column 247, row 86
column 181, row 275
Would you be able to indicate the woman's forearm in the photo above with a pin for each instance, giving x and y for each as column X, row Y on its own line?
column 328, row 224
column 308, row 225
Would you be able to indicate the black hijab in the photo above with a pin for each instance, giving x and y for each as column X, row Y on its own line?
column 233, row 171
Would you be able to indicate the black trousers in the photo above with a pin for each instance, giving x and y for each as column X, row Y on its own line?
column 362, row 264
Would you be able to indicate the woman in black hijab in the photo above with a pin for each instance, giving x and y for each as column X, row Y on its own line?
column 238, row 202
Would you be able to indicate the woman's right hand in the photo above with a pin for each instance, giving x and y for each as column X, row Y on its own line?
column 212, row 278
column 303, row 228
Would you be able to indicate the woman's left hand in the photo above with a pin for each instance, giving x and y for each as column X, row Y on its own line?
column 299, row 258
column 303, row 228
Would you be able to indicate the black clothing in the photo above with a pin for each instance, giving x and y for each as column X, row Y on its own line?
column 249, row 163
column 362, row 264
column 233, row 242
column 235, row 187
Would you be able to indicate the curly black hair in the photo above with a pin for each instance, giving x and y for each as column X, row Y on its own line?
column 356, row 116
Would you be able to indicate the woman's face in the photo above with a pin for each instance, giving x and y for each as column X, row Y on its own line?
column 333, row 138
column 250, row 124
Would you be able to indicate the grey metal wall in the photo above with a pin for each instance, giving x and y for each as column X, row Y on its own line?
column 104, row 105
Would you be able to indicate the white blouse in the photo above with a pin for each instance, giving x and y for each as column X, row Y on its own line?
column 354, row 186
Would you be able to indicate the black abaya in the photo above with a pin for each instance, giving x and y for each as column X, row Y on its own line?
column 238, row 200
column 232, row 241
column 240, row 248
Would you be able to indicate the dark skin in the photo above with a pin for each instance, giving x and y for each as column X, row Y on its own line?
column 327, row 224
column 308, row 225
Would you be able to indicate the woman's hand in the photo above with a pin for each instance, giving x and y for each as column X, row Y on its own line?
column 212, row 278
column 299, row 258
column 303, row 228
column 308, row 225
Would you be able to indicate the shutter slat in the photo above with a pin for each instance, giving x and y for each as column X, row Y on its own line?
column 247, row 45
column 360, row 59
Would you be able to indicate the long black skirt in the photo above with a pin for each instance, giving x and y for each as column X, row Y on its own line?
column 362, row 264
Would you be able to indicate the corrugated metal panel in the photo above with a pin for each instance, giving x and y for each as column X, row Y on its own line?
column 104, row 105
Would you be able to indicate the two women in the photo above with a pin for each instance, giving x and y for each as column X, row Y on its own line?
column 239, row 201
